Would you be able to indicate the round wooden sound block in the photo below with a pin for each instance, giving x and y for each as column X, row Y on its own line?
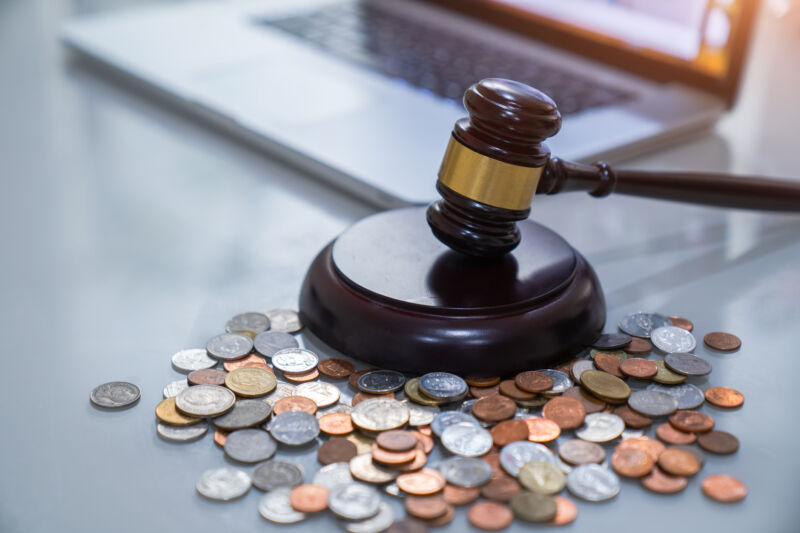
column 389, row 293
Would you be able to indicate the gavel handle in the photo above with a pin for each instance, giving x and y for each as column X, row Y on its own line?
column 723, row 190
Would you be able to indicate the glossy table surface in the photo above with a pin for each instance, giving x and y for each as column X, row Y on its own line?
column 130, row 231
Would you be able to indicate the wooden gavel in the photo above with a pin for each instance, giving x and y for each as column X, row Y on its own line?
column 496, row 161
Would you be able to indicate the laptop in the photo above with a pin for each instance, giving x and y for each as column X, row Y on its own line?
column 364, row 94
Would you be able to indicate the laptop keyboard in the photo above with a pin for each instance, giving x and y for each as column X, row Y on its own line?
column 430, row 58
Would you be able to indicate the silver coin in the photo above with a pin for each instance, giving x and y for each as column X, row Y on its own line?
column 181, row 433
column 653, row 403
column 448, row 418
column 564, row 467
column 581, row 452
column 229, row 346
column 295, row 360
column 173, row 388
column 561, row 381
column 192, row 359
column 251, row 322
column 466, row 471
column 611, row 341
column 381, row 381
column 380, row 522
column 115, row 394
column 392, row 489
column 275, row 507
column 294, row 428
column 600, row 427
column 277, row 474
column 466, row 439
column 284, row 320
column 205, row 400
column 269, row 342
column 687, row 364
column 642, row 324
column 250, row 445
column 593, row 483
column 688, row 396
column 580, row 367
column 282, row 390
column 223, row 484
column 323, row 394
column 420, row 415
column 354, row 501
column 513, row 456
column 244, row 414
column 443, row 386
column 380, row 414
column 672, row 339
column 338, row 408
column 630, row 433
column 334, row 474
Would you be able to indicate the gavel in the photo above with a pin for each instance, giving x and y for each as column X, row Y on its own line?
column 496, row 161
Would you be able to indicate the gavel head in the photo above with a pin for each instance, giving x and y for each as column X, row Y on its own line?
column 492, row 166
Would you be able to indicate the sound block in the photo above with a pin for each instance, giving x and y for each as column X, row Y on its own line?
column 387, row 292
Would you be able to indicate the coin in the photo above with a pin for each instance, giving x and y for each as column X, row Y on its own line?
column 362, row 396
column 678, row 462
column 651, row 447
column 605, row 385
column 692, row 421
column 229, row 346
column 223, row 484
column 565, row 411
column 513, row 456
column 687, row 364
column 681, row 322
column 542, row 429
column 620, row 355
column 724, row 397
column 509, row 388
column 631, row 418
column 252, row 323
column 542, row 477
column 724, row 488
column 687, row 395
column 566, row 512
column 672, row 339
column 294, row 428
column 301, row 377
column 425, row 482
column 466, row 439
column 391, row 459
column 275, row 507
column 382, row 521
column 642, row 324
column 309, row 498
column 220, row 437
column 670, row 435
column 638, row 368
column 653, row 403
column 273, row 475
column 249, row 360
column 443, row 520
column 174, row 388
column 533, row 381
column 425, row 507
column 720, row 442
column 533, row 507
column 362, row 468
column 593, row 483
column 209, row 376
column 601, row 427
column 608, row 363
column 482, row 381
column 724, row 342
column 638, row 347
column 580, row 367
column 494, row 408
column 284, row 320
column 561, row 381
column 611, row 341
column 295, row 360
column 466, row 471
column 354, row 501
column 580, row 452
column 425, row 440
column 591, row 403
column 509, row 431
column 332, row 475
column 181, row 434
column 115, row 395
column 501, row 489
column 336, row 424
column 335, row 368
column 443, row 386
column 481, row 392
column 249, row 445
column 339, row 408
column 397, row 440
column 282, row 390
column 380, row 414
column 490, row 516
column 205, row 400
column 448, row 418
column 192, row 359
column 244, row 414
column 662, row 483
column 631, row 462
column 667, row 376
column 420, row 415
column 412, row 391
column 323, row 394
column 363, row 443
column 381, row 381
column 455, row 495
column 251, row 381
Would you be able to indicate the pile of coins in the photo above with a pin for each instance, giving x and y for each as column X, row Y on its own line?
column 513, row 446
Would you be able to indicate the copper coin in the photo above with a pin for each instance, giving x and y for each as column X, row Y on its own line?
column 336, row 450
column 581, row 452
column 444, row 519
column 426, row 507
column 309, row 498
column 481, row 392
column 608, row 363
column 509, row 431
column 631, row 418
column 353, row 379
column 720, row 442
column 638, row 346
column 680, row 322
column 724, row 342
column 407, row 526
column 659, row 481
column 724, row 397
column 397, row 440
column 479, row 381
column 385, row 457
column 335, row 368
column 490, row 516
column 567, row 367
column 494, row 408
column 245, row 361
column 301, row 377
column 294, row 403
column 566, row 512
column 565, row 411
column 638, row 368
column 361, row 396
column 425, row 482
column 336, row 424
column 455, row 495
column 425, row 440
column 501, row 489
column 207, row 376
column 533, row 381
column 651, row 447
column 220, row 437
column 691, row 421
column 419, row 461
column 670, row 435
column 591, row 403
column 508, row 387
column 678, row 462
column 724, row 488
column 542, row 429
column 631, row 462
column 493, row 460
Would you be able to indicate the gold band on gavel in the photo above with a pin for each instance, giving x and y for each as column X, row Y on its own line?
column 488, row 180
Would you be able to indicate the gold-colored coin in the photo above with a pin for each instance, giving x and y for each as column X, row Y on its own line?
column 251, row 381
column 167, row 413
column 542, row 477
column 605, row 385
column 414, row 394
column 666, row 376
